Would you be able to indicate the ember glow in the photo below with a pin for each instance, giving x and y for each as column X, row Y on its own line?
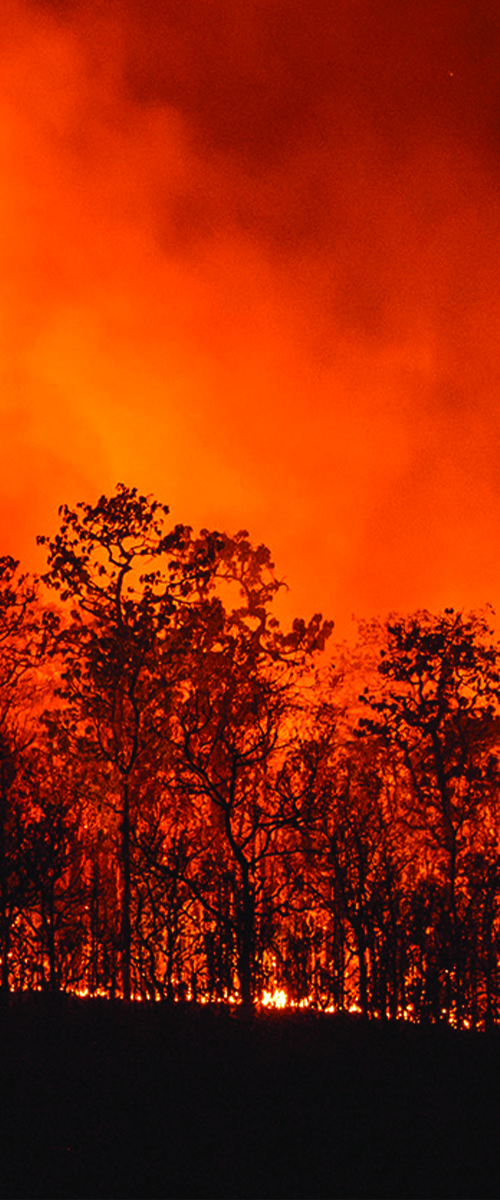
column 249, row 262
column 276, row 999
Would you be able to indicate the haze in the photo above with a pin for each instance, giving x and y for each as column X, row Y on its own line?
column 249, row 263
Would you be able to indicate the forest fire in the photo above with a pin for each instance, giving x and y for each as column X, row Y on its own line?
column 249, row 813
column 198, row 806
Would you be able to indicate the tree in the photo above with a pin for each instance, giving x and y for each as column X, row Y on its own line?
column 25, row 631
column 101, row 562
column 141, row 598
column 437, row 707
column 55, row 921
column 233, row 721
column 166, row 923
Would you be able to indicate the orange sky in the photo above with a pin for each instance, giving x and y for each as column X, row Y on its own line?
column 250, row 262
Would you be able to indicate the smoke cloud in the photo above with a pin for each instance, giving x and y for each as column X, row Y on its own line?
column 249, row 262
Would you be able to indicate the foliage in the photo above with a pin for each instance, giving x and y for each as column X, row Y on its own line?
column 195, row 802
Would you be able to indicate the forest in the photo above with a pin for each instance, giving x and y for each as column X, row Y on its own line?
column 199, row 805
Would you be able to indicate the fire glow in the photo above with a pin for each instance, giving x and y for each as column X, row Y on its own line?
column 249, row 265
column 270, row 292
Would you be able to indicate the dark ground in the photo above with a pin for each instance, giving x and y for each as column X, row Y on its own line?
column 101, row 1100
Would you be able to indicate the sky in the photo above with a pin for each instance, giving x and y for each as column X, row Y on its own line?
column 250, row 263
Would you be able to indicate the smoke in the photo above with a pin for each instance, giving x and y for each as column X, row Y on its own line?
column 249, row 263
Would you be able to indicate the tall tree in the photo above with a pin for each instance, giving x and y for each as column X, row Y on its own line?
column 233, row 723
column 139, row 595
column 437, row 707
column 104, row 561
column 25, row 629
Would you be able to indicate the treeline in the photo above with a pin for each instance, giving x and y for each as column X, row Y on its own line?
column 196, row 804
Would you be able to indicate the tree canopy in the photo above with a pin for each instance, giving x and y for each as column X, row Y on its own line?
column 196, row 803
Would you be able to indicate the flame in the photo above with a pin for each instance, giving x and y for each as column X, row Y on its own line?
column 276, row 999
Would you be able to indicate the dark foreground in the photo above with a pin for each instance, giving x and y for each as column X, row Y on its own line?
column 98, row 1100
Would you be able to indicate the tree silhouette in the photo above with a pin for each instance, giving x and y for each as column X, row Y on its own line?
column 98, row 561
column 25, row 632
column 233, row 726
column 190, row 807
column 438, row 709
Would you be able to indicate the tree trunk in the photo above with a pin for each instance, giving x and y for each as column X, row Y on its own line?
column 4, row 915
column 52, row 942
column 4, row 899
column 125, row 938
column 246, row 943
